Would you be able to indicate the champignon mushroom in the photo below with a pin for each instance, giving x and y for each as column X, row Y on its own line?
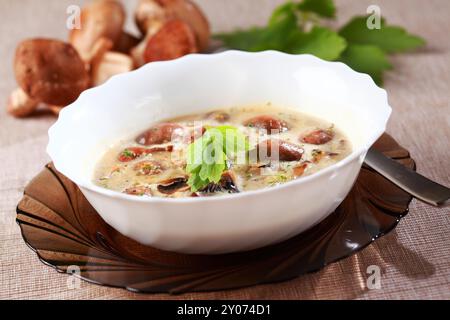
column 173, row 185
column 50, row 71
column 318, row 137
column 175, row 39
column 227, row 183
column 20, row 104
column 104, row 18
column 268, row 123
column 161, row 133
column 276, row 150
column 153, row 12
column 132, row 153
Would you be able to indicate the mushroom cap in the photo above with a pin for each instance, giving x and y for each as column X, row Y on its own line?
column 50, row 71
column 190, row 13
column 266, row 122
column 150, row 12
column 104, row 18
column 175, row 39
column 126, row 42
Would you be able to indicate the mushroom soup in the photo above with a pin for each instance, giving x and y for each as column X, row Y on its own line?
column 223, row 151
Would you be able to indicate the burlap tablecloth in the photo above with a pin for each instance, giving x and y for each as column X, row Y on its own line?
column 414, row 259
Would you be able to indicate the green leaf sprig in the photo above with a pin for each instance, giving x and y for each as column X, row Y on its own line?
column 296, row 27
column 209, row 156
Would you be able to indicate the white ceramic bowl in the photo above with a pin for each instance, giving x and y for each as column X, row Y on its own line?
column 131, row 102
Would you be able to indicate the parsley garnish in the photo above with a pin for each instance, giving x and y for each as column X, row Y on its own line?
column 128, row 153
column 277, row 178
column 208, row 156
column 296, row 27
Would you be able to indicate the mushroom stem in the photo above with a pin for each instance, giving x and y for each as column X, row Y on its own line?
column 110, row 64
column 100, row 47
column 20, row 104
column 55, row 109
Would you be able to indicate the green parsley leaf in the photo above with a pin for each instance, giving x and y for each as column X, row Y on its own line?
column 233, row 140
column 321, row 42
column 324, row 8
column 283, row 13
column 207, row 156
column 245, row 40
column 282, row 22
column 128, row 153
column 355, row 44
column 389, row 38
column 367, row 59
column 277, row 178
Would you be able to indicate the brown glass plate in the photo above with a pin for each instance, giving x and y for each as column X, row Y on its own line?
column 64, row 230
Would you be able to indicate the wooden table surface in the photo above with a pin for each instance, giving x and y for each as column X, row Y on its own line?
column 414, row 259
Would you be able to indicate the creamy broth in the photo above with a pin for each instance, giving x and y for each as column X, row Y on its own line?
column 154, row 163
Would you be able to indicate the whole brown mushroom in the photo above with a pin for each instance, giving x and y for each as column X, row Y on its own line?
column 175, row 39
column 276, row 150
column 50, row 71
column 266, row 122
column 152, row 13
column 102, row 18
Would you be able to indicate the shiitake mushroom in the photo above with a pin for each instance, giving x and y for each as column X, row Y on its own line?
column 175, row 39
column 161, row 133
column 318, row 137
column 152, row 14
column 267, row 122
column 50, row 71
column 276, row 150
column 227, row 183
column 99, row 19
column 173, row 185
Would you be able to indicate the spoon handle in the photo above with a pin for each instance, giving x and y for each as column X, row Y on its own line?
column 410, row 181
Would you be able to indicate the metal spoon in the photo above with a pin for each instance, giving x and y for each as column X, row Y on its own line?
column 408, row 180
